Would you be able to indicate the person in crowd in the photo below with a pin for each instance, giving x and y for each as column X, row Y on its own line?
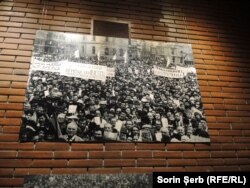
column 71, row 135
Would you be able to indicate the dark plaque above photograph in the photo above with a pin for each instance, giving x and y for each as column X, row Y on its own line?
column 85, row 88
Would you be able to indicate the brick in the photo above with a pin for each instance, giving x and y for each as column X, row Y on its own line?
column 16, row 99
column 221, row 139
column 104, row 170
column 30, row 27
column 25, row 146
column 8, row 138
column 141, row 36
column 26, row 20
column 21, row 72
column 49, row 163
column 181, row 162
column 179, row 147
column 5, row 18
column 104, row 155
column 225, row 168
column 6, row 172
column 228, row 119
column 9, row 35
column 223, row 154
column 13, row 113
column 21, row 9
column 11, row 129
column 14, row 65
column 92, row 147
column 62, row 28
column 210, row 162
column 243, row 107
column 196, row 154
column 240, row 161
column 167, row 154
column 151, row 162
column 219, row 125
column 150, row 146
column 11, row 24
column 6, row 70
column 13, row 77
column 243, row 153
column 9, row 182
column 18, row 41
column 118, row 162
column 82, row 30
column 2, row 113
column 199, row 169
column 11, row 13
column 4, row 84
column 32, row 15
column 7, row 154
column 235, row 146
column 246, row 132
column 119, row 146
column 238, row 113
column 242, row 139
column 28, row 36
column 15, row 146
column 7, row 58
column 230, row 132
column 245, row 168
column 13, row 106
column 25, row 47
column 31, row 171
column 10, row 121
column 137, row 154
column 15, row 163
column 137, row 169
column 70, row 155
column 52, row 22
column 85, row 163
column 215, row 112
column 3, row 98
column 52, row 146
column 22, row 30
column 12, row 91
column 16, row 52
column 69, row 170
column 22, row 85
column 35, row 154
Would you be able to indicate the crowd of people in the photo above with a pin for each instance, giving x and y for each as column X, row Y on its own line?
column 133, row 106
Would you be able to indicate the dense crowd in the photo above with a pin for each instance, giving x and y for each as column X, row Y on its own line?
column 135, row 105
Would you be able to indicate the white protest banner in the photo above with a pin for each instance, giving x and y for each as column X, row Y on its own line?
column 72, row 109
column 110, row 72
column 85, row 71
column 170, row 73
column 46, row 93
column 45, row 66
column 186, row 70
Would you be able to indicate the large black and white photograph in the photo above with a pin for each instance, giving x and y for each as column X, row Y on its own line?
column 85, row 88
column 89, row 180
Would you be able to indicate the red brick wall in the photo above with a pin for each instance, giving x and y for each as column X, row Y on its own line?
column 219, row 35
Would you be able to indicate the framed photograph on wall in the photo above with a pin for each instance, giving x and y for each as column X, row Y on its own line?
column 85, row 88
